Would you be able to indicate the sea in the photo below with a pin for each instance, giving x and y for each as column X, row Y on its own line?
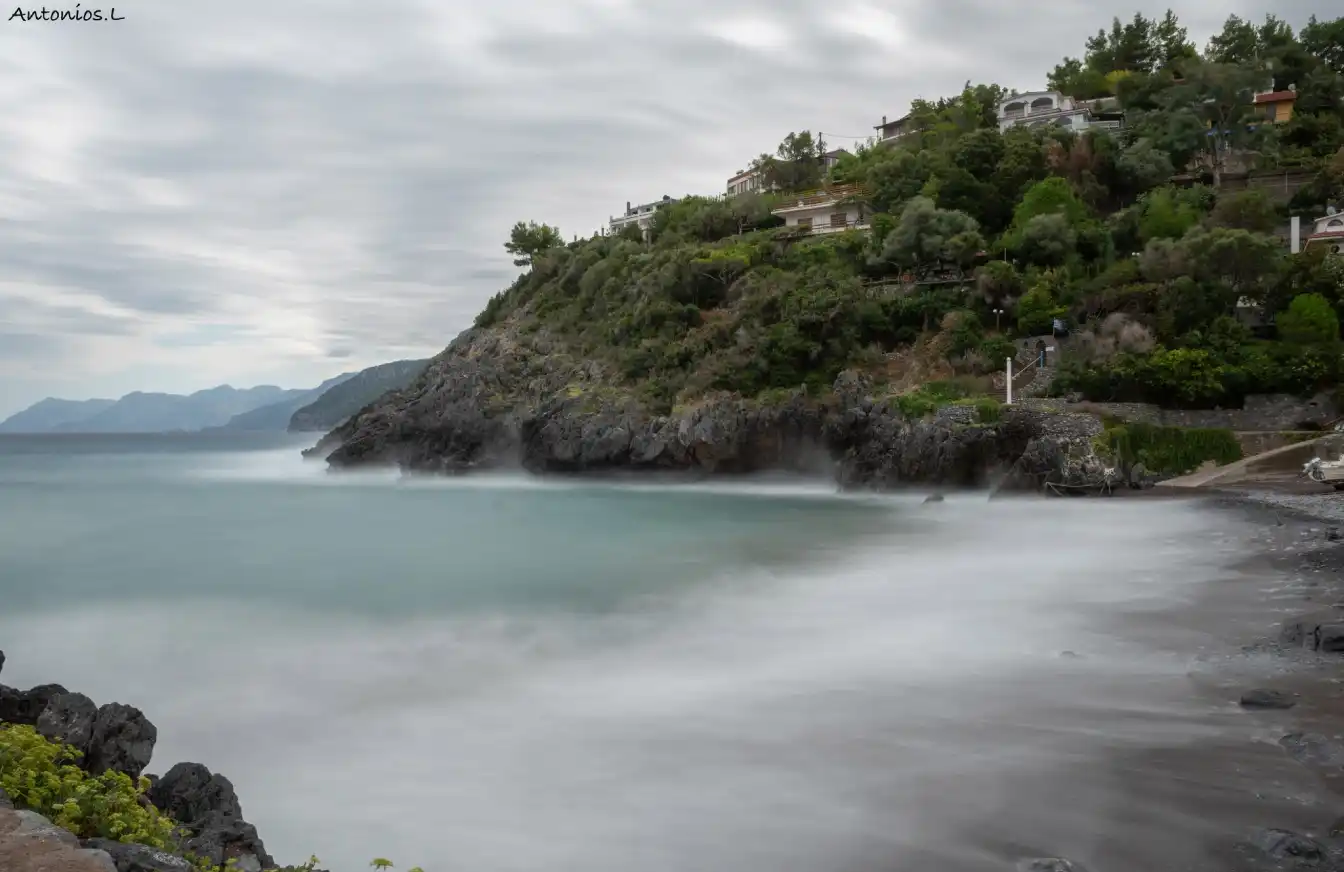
column 511, row 674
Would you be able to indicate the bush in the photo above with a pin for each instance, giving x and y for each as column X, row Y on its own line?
column 1310, row 320
column 41, row 775
column 1168, row 450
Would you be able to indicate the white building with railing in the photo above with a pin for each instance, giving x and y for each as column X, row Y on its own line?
column 828, row 211
column 641, row 215
column 1039, row 108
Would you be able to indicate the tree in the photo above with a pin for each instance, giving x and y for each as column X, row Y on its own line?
column 1237, row 43
column 1310, row 320
column 796, row 165
column 1047, row 240
column 927, row 238
column 1246, row 210
column 1143, row 166
column 1325, row 40
column 999, row 284
column 526, row 241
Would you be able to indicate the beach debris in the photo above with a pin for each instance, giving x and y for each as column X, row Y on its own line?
column 1261, row 698
column 933, row 498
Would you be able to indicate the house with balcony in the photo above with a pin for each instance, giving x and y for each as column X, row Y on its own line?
column 1039, row 108
column 890, row 131
column 1328, row 232
column 752, row 181
column 641, row 215
column 1276, row 107
column 830, row 210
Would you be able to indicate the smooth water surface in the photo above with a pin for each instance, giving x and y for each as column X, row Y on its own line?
column 503, row 674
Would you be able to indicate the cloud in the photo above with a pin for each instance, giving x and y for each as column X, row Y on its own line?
column 247, row 192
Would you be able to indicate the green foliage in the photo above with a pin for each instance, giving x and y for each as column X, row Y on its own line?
column 1060, row 225
column 529, row 240
column 1310, row 320
column 1168, row 451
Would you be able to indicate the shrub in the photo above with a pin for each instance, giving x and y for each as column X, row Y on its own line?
column 1310, row 320
column 41, row 776
column 1167, row 450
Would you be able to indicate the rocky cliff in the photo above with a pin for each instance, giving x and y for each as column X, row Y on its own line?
column 502, row 398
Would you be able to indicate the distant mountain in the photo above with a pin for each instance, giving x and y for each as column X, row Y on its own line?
column 274, row 417
column 351, row 395
column 141, row 412
column 46, row 415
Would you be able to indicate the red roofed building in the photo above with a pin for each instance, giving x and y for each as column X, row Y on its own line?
column 1277, row 106
column 1328, row 233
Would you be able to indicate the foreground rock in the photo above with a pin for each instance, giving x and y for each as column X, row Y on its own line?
column 503, row 399
column 119, row 737
column 1267, row 699
column 31, row 843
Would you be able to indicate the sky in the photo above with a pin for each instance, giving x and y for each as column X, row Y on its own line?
column 276, row 192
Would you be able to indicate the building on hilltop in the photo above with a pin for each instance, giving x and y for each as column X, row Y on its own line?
column 641, row 215
column 1276, row 106
column 1328, row 232
column 890, row 131
column 752, row 181
column 826, row 211
column 1038, row 108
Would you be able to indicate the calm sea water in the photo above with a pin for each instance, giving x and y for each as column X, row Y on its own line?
column 501, row 674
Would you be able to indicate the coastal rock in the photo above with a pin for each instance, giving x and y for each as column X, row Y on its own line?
column 1267, row 699
column 1313, row 749
column 1287, row 845
column 122, row 740
column 69, row 719
column 35, row 826
column 207, row 806
column 1049, row 864
column 138, row 858
column 25, row 706
column 2, row 661
column 1306, row 630
column 506, row 398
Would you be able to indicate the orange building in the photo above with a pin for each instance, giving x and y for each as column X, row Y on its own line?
column 1276, row 105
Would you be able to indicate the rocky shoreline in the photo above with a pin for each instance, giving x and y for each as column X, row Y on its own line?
column 498, row 401
column 119, row 738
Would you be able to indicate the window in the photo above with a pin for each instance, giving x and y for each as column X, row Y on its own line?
column 1334, row 222
column 805, row 223
column 839, row 219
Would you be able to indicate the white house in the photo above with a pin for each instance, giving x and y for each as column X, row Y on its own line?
column 641, row 215
column 829, row 211
column 1039, row 108
column 1328, row 232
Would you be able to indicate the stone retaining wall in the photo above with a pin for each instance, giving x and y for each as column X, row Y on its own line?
column 1261, row 412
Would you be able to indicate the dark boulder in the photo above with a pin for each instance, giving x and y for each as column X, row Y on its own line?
column 1267, row 699
column 25, row 706
column 207, row 806
column 123, row 740
column 1287, row 845
column 138, row 858
column 68, row 719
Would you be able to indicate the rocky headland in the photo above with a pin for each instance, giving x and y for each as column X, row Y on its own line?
column 501, row 399
column 211, row 832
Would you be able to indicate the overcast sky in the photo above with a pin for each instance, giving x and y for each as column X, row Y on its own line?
column 274, row 192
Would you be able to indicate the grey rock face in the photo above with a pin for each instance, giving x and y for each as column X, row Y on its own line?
column 101, row 858
column 35, row 826
column 496, row 398
column 68, row 719
column 207, row 806
column 25, row 706
column 138, row 858
column 123, row 740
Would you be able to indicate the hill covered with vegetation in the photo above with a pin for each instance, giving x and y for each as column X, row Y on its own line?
column 1136, row 236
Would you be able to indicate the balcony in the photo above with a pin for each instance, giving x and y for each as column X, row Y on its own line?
column 813, row 199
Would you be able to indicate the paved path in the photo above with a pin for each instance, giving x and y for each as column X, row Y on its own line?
column 1273, row 464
